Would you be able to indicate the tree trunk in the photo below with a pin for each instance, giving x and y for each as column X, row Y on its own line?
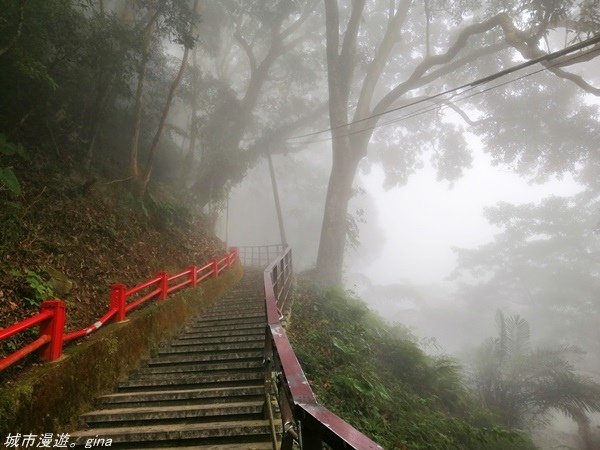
column 100, row 106
column 188, row 160
column 334, row 229
column 145, row 179
column 134, row 168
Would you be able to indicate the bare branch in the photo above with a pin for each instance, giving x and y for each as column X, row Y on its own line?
column 427, row 27
column 435, row 60
column 348, row 51
column 379, row 63
column 520, row 41
column 277, row 138
column 463, row 114
column 298, row 23
column 569, row 60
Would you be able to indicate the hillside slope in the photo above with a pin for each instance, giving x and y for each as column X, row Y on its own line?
column 70, row 237
column 378, row 379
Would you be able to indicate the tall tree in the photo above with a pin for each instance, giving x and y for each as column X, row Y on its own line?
column 545, row 261
column 370, row 47
column 523, row 384
column 177, row 21
column 255, row 84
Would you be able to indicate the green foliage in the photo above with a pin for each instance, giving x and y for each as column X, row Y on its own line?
column 168, row 213
column 545, row 259
column 8, row 179
column 377, row 378
column 524, row 384
column 34, row 288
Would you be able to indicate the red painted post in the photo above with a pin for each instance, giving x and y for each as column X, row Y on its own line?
column 194, row 275
column 215, row 268
column 118, row 300
column 163, row 285
column 55, row 328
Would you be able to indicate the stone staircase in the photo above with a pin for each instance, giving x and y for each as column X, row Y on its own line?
column 204, row 390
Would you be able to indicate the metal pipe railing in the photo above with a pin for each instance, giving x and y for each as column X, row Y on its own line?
column 305, row 421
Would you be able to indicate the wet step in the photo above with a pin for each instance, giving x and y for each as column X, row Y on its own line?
column 255, row 330
column 225, row 378
column 182, row 341
column 206, row 367
column 226, row 323
column 240, row 313
column 204, row 389
column 220, row 327
column 229, row 320
column 267, row 445
column 215, row 394
column 185, row 358
column 179, row 413
column 177, row 432
column 212, row 348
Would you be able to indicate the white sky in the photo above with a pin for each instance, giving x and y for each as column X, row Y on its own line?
column 423, row 220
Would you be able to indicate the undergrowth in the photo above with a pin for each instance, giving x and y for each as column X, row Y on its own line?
column 377, row 378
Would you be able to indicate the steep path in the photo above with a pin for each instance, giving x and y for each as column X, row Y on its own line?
column 205, row 389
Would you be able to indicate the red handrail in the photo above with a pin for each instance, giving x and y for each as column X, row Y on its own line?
column 23, row 352
column 85, row 331
column 303, row 417
column 51, row 318
column 25, row 324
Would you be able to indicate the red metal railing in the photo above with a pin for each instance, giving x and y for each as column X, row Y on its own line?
column 304, row 419
column 52, row 318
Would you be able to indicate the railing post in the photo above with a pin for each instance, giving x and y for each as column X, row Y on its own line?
column 163, row 285
column 194, row 276
column 309, row 438
column 215, row 268
column 55, row 328
column 118, row 300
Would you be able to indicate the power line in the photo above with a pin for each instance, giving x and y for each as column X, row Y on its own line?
column 439, row 104
column 472, row 84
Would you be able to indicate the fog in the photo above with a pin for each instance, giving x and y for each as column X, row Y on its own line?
column 464, row 215
column 439, row 160
column 404, row 261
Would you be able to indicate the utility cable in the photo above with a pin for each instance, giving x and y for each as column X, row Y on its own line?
column 439, row 104
column 473, row 84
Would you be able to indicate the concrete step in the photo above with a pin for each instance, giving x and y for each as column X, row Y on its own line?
column 203, row 390
column 246, row 298
column 223, row 333
column 206, row 367
column 266, row 445
column 211, row 348
column 238, row 313
column 186, row 358
column 231, row 320
column 218, row 340
column 178, row 433
column 129, row 416
column 187, row 396
column 179, row 381
column 226, row 324
column 221, row 327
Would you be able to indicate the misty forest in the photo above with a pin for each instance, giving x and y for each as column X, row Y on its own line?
column 433, row 165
